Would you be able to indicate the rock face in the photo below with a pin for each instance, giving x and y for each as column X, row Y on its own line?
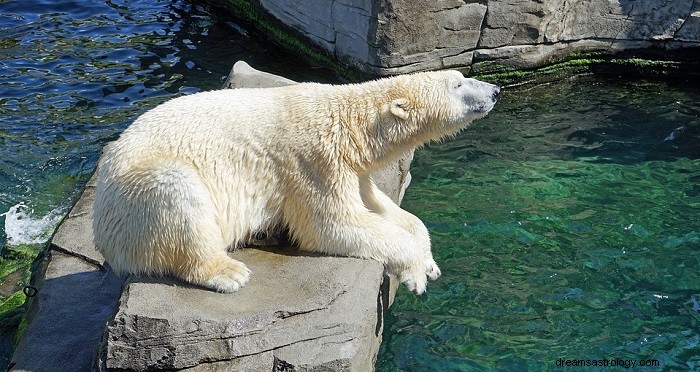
column 289, row 315
column 385, row 37
column 299, row 312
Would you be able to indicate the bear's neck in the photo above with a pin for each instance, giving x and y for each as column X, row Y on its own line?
column 374, row 136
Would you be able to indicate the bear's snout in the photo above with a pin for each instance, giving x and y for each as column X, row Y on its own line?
column 496, row 92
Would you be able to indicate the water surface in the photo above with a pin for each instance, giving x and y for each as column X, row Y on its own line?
column 567, row 225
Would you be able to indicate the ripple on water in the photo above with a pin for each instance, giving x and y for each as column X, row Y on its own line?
column 566, row 227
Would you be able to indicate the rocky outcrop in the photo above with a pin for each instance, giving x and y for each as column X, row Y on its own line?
column 527, row 34
column 384, row 37
column 76, row 297
column 303, row 311
column 299, row 312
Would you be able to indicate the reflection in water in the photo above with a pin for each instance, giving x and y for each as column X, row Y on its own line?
column 567, row 225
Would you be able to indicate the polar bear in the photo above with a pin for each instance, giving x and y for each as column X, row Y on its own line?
column 199, row 174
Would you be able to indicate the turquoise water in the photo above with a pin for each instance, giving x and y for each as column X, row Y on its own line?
column 567, row 226
column 566, row 223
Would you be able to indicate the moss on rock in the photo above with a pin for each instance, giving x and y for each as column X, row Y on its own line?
column 284, row 36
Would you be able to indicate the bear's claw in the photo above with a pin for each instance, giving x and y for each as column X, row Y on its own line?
column 432, row 270
column 415, row 284
column 417, row 280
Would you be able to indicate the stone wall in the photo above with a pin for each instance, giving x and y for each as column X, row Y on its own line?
column 384, row 37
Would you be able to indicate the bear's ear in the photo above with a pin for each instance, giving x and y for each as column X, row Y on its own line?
column 399, row 107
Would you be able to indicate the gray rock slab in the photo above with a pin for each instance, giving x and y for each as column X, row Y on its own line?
column 251, row 363
column 305, row 310
column 75, row 233
column 244, row 76
column 67, row 316
column 300, row 312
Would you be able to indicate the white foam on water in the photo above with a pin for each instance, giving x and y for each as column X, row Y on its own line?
column 22, row 227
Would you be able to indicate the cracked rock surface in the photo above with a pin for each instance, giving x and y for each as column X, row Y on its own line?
column 385, row 37
column 298, row 313
column 288, row 313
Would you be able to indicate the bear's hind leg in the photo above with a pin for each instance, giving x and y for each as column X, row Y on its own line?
column 199, row 255
column 202, row 258
column 182, row 232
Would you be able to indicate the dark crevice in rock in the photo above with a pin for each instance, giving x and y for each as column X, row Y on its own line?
column 283, row 314
column 382, row 303
column 280, row 365
column 54, row 247
column 484, row 25
column 445, row 9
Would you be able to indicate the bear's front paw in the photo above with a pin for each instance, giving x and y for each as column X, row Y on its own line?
column 229, row 278
column 432, row 269
column 415, row 282
column 416, row 277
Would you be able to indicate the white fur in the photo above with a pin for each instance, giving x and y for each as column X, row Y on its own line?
column 198, row 174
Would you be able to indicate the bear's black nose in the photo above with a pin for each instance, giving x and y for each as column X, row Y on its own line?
column 496, row 92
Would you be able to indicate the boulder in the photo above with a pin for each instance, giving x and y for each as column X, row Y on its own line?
column 385, row 37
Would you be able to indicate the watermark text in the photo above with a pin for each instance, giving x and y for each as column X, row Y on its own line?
column 615, row 362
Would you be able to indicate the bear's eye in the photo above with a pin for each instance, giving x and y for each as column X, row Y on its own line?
column 456, row 84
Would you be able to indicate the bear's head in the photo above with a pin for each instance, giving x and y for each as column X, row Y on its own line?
column 414, row 109
column 441, row 103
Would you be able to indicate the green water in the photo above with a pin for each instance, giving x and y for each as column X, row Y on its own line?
column 567, row 226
